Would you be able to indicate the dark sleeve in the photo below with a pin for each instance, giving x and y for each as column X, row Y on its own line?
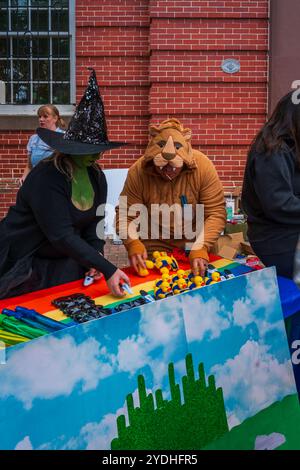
column 50, row 201
column 273, row 183
column 94, row 233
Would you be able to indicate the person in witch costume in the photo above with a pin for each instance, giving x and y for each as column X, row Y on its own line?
column 49, row 236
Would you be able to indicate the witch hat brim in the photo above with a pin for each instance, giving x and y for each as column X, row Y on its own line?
column 55, row 140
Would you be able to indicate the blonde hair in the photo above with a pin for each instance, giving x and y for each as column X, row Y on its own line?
column 64, row 164
column 54, row 111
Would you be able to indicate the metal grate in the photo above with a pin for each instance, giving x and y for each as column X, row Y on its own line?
column 35, row 51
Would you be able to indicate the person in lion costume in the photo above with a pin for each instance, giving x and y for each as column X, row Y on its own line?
column 173, row 174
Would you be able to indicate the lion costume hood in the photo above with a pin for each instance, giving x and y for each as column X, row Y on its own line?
column 169, row 146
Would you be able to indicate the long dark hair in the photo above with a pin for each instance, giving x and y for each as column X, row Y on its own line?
column 283, row 126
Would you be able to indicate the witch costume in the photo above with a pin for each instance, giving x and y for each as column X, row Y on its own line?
column 45, row 240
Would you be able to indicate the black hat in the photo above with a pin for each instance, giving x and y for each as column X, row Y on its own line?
column 87, row 132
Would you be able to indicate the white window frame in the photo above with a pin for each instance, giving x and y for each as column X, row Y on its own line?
column 64, row 109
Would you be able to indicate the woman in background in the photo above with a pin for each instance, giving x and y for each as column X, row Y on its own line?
column 37, row 150
column 271, row 188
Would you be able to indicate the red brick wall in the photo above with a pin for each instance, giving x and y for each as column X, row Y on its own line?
column 160, row 58
column 188, row 41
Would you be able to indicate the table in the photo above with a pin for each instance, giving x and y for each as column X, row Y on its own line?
column 73, row 388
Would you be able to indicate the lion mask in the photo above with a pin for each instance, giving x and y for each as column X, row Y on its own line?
column 169, row 151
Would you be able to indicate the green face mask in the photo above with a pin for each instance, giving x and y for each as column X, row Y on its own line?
column 83, row 161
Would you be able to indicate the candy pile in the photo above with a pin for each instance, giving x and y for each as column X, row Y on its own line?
column 172, row 284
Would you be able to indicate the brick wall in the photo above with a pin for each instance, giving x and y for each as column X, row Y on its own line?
column 161, row 58
column 188, row 41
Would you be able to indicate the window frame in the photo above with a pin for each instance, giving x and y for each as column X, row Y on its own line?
column 65, row 109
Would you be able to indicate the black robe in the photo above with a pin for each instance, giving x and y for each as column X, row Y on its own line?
column 271, row 200
column 44, row 239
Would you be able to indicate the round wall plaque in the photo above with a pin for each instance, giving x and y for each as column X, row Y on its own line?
column 231, row 65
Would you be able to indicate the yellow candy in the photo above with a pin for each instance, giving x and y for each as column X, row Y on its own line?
column 149, row 264
column 165, row 286
column 198, row 280
column 164, row 270
column 143, row 272
column 215, row 276
column 180, row 273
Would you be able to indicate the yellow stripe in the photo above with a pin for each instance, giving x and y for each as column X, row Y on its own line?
column 9, row 338
column 222, row 263
column 110, row 299
column 56, row 314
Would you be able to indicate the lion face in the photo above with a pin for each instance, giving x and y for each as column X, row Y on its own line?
column 169, row 148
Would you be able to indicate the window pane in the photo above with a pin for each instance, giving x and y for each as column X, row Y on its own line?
column 19, row 20
column 3, row 3
column 21, row 93
column 41, row 93
column 61, row 93
column 60, row 20
column 4, row 20
column 59, row 3
column 19, row 3
column 40, row 47
column 4, row 70
column 39, row 20
column 41, row 70
column 61, row 70
column 4, row 47
column 7, row 93
column 60, row 47
column 39, row 3
column 21, row 70
column 21, row 47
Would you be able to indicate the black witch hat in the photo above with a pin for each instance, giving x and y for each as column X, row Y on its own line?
column 87, row 131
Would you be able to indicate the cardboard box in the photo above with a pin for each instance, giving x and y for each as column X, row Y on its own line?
column 229, row 245
column 228, row 252
column 232, row 240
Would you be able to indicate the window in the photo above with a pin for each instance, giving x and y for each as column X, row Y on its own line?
column 37, row 51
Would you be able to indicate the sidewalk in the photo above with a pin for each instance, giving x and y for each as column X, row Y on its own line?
column 116, row 254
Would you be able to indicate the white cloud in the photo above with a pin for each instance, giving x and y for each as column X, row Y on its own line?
column 52, row 367
column 25, row 444
column 254, row 379
column 203, row 318
column 261, row 294
column 162, row 323
column 159, row 326
column 98, row 436
column 242, row 314
column 262, row 289
column 132, row 354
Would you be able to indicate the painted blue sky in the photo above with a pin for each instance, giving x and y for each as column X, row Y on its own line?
column 64, row 391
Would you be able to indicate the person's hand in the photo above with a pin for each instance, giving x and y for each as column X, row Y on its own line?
column 23, row 177
column 138, row 261
column 199, row 266
column 94, row 273
column 114, row 283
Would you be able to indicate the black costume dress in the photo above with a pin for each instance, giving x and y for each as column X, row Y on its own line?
column 44, row 239
column 271, row 199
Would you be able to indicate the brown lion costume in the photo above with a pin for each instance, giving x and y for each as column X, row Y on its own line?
column 169, row 170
